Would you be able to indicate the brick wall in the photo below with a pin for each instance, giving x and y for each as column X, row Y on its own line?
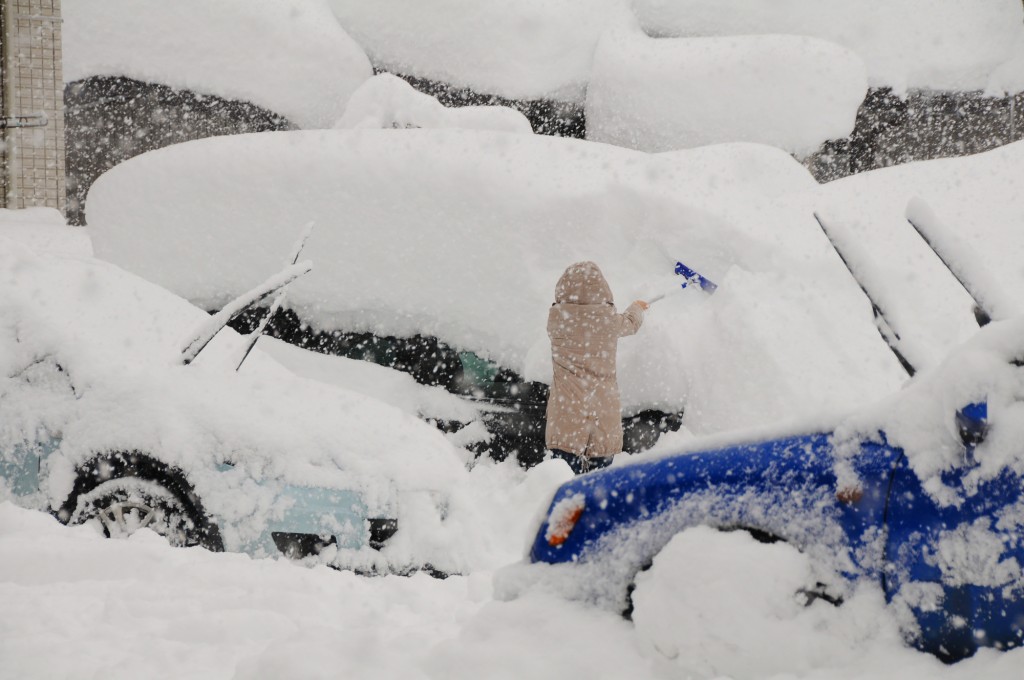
column 33, row 157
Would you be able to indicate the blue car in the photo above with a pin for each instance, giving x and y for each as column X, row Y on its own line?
column 938, row 530
column 920, row 494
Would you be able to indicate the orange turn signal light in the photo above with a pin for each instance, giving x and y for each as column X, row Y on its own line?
column 559, row 530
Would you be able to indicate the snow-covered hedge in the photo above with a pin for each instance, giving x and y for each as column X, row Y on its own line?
column 289, row 56
column 932, row 44
column 387, row 101
column 528, row 49
column 660, row 94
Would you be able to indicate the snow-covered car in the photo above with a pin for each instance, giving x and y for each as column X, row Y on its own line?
column 438, row 252
column 922, row 494
column 103, row 422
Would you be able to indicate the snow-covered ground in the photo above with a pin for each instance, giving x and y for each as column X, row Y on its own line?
column 461, row 233
column 79, row 606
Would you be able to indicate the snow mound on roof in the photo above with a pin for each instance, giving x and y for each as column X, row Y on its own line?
column 229, row 48
column 462, row 235
column 386, row 101
column 934, row 44
column 527, row 49
column 659, row 94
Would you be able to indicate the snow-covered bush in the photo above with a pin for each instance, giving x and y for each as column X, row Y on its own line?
column 290, row 56
column 660, row 94
column 386, row 101
column 931, row 44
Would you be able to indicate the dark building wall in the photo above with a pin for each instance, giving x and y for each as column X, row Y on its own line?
column 547, row 116
column 891, row 130
column 109, row 120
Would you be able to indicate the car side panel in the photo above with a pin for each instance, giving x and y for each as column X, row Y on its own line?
column 957, row 567
column 785, row 488
column 20, row 465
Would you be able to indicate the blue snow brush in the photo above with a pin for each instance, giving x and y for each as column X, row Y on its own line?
column 692, row 279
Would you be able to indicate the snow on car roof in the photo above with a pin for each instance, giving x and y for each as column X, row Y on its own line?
column 234, row 50
column 462, row 235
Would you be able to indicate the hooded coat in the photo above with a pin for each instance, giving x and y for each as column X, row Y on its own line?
column 584, row 414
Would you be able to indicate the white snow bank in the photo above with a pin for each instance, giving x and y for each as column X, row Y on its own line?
column 386, row 101
column 935, row 44
column 462, row 235
column 527, row 49
column 78, row 605
column 1009, row 78
column 288, row 56
column 44, row 229
column 660, row 94
column 681, row 607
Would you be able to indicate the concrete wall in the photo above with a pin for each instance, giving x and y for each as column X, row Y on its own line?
column 32, row 84
column 925, row 124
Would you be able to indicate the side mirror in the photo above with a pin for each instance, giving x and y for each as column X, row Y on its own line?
column 972, row 423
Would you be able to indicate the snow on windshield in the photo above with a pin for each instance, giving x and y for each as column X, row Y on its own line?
column 462, row 235
column 234, row 50
column 977, row 200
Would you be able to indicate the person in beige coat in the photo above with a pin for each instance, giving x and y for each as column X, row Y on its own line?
column 584, row 419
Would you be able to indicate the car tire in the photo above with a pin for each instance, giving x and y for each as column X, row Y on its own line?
column 124, row 493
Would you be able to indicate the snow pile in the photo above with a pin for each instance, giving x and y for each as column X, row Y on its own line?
column 1009, row 77
column 680, row 606
column 660, row 94
column 931, row 44
column 529, row 49
column 230, row 48
column 462, row 235
column 44, row 229
column 78, row 605
column 386, row 101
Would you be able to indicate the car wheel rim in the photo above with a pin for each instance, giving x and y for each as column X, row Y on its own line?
column 123, row 507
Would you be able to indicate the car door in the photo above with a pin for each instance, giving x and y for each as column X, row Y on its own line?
column 956, row 567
